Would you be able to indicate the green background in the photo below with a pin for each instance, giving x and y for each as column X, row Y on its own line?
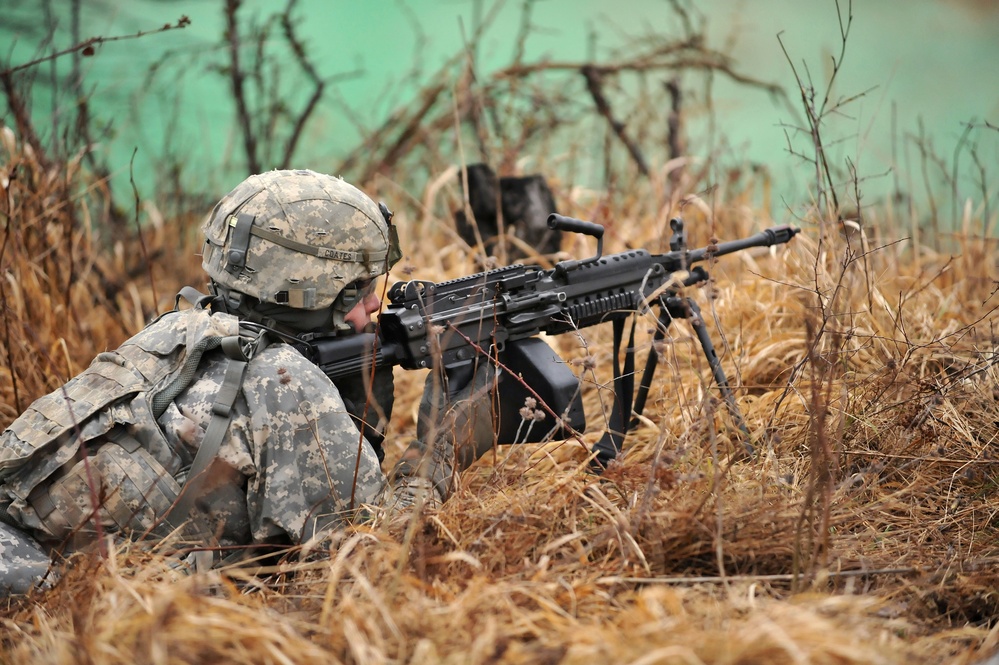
column 933, row 62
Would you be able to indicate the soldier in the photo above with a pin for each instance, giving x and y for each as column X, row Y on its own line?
column 210, row 424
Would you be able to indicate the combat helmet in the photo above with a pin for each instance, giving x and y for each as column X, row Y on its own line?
column 296, row 247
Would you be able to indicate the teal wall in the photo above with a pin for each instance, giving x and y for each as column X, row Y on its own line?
column 934, row 61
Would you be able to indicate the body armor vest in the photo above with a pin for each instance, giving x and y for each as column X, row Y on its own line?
column 92, row 451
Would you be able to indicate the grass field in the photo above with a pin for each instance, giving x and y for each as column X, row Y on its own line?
column 862, row 356
column 863, row 530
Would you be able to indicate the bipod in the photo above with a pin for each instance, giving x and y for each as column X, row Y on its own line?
column 676, row 307
column 671, row 306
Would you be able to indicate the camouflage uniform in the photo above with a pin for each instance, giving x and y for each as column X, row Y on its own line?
column 22, row 562
column 291, row 451
column 285, row 468
column 110, row 452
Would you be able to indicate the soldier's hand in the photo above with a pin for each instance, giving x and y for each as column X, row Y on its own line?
column 464, row 422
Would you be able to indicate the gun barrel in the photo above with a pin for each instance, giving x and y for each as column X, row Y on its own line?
column 776, row 235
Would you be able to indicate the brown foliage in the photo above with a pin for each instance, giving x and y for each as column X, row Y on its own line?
column 68, row 292
column 862, row 531
column 677, row 554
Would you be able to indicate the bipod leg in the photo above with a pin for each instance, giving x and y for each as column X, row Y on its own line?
column 665, row 318
column 697, row 322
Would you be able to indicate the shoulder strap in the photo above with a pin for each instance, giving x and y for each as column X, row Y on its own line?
column 192, row 296
column 239, row 350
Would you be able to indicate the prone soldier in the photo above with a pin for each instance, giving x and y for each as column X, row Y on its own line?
column 211, row 423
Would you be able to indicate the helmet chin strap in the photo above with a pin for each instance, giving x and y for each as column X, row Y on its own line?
column 350, row 297
column 289, row 320
column 338, row 314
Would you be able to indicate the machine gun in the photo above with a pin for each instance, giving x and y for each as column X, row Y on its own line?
column 451, row 325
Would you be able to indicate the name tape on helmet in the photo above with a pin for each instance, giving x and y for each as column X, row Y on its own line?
column 322, row 252
column 339, row 255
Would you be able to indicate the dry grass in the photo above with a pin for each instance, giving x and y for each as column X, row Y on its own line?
column 862, row 532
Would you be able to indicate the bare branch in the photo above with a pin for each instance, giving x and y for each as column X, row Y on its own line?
column 86, row 47
column 594, row 85
column 237, row 77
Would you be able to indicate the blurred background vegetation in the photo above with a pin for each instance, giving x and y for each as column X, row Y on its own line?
column 327, row 84
column 863, row 354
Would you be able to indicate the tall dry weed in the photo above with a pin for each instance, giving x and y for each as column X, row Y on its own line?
column 69, row 290
column 862, row 530
column 677, row 554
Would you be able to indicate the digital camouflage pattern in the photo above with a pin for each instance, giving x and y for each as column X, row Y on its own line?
column 296, row 238
column 291, row 464
column 286, row 469
column 109, row 452
column 22, row 562
column 59, row 436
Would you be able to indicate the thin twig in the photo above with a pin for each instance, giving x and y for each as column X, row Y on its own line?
column 595, row 86
column 728, row 579
column 86, row 47
column 236, row 78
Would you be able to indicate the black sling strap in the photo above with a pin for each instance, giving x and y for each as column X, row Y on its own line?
column 609, row 445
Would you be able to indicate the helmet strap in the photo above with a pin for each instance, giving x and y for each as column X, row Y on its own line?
column 343, row 303
column 284, row 319
column 394, row 250
column 241, row 226
column 229, row 301
column 347, row 299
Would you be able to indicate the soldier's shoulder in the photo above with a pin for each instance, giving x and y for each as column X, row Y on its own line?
column 181, row 326
column 285, row 353
column 284, row 362
column 281, row 379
